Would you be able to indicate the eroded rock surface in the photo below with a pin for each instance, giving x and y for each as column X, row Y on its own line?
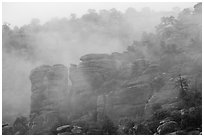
column 111, row 85
column 49, row 91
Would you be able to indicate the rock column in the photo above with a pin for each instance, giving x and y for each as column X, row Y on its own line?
column 49, row 90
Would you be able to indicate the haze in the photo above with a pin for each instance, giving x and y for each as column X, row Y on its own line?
column 64, row 39
column 19, row 14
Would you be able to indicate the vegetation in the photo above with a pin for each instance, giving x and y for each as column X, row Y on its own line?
column 108, row 127
column 175, row 49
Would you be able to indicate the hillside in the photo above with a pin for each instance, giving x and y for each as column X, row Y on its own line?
column 153, row 87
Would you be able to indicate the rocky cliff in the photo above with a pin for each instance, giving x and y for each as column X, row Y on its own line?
column 112, row 85
column 49, row 92
column 102, row 86
column 105, row 88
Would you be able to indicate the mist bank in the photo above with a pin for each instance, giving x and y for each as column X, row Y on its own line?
column 105, row 31
column 64, row 41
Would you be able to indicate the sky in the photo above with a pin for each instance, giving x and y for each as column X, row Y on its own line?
column 21, row 13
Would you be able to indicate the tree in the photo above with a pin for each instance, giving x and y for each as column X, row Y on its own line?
column 187, row 92
column 198, row 8
column 166, row 28
column 182, row 83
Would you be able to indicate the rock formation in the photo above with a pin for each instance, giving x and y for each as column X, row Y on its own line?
column 49, row 91
column 103, row 88
column 103, row 84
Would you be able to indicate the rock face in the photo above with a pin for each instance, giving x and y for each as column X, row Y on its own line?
column 49, row 89
column 105, row 84
column 104, row 88
column 87, row 81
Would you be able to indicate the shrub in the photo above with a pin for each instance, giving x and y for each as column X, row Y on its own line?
column 161, row 114
column 108, row 127
column 156, row 106
column 127, row 125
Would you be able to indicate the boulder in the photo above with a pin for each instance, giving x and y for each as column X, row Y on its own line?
column 167, row 127
column 20, row 126
column 7, row 130
column 77, row 130
column 64, row 128
column 179, row 132
column 194, row 132
column 168, row 119
column 89, row 57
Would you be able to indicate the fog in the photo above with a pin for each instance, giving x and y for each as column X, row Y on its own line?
column 64, row 40
column 46, row 11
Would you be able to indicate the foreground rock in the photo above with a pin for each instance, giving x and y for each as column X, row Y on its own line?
column 6, row 129
column 20, row 126
column 69, row 130
column 167, row 127
column 65, row 128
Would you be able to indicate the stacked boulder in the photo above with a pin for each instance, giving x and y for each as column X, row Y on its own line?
column 49, row 90
column 104, row 84
column 87, row 80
